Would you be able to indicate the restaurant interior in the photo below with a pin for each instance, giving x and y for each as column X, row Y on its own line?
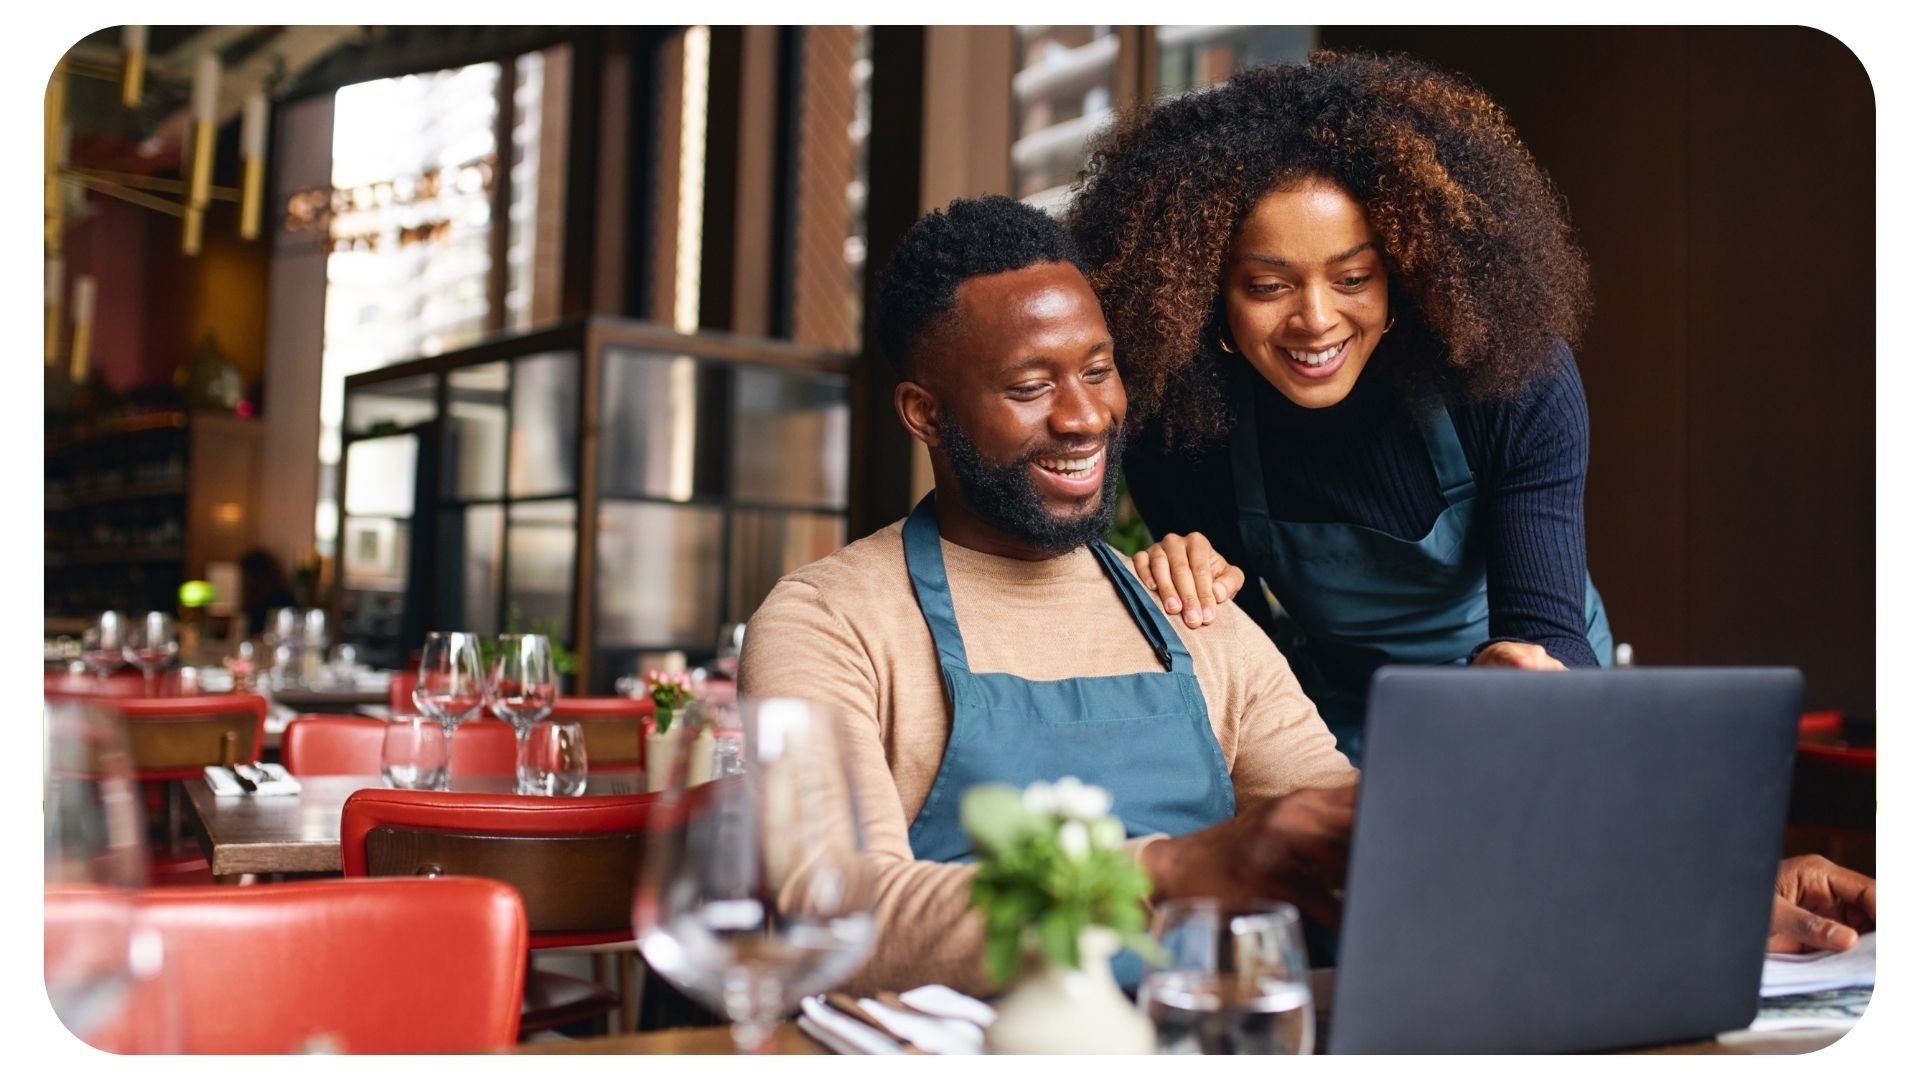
column 428, row 409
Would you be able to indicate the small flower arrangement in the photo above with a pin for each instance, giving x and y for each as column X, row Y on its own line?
column 669, row 693
column 1052, row 863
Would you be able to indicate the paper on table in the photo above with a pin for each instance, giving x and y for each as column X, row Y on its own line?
column 1805, row 973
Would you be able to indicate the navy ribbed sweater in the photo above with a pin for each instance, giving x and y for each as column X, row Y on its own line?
column 1363, row 462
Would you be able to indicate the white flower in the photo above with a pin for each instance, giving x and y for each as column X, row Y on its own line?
column 1108, row 834
column 1082, row 801
column 1039, row 798
column 1074, row 840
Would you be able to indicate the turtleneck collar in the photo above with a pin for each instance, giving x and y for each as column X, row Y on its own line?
column 1374, row 396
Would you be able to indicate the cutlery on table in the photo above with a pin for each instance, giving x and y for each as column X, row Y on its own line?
column 849, row 1005
column 241, row 778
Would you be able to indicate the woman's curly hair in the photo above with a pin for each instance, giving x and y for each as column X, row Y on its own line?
column 1485, row 273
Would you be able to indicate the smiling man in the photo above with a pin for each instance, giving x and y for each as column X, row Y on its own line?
column 993, row 636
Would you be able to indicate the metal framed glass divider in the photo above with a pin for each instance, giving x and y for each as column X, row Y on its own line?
column 698, row 469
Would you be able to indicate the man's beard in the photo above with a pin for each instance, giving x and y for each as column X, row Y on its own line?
column 1006, row 498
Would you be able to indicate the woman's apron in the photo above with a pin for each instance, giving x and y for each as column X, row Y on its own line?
column 1364, row 598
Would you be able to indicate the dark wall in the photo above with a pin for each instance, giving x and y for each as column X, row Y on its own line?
column 1721, row 181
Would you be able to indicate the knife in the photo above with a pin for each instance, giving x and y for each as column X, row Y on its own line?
column 246, row 785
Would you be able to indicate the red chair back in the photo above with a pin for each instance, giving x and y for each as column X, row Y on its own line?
column 174, row 738
column 369, row 967
column 333, row 745
column 616, row 729
column 400, row 693
column 575, row 861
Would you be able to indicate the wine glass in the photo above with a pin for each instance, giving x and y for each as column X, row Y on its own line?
column 787, row 827
column 97, row 949
column 1231, row 980
column 726, row 654
column 151, row 644
column 522, row 686
column 452, row 687
column 552, row 760
column 103, row 645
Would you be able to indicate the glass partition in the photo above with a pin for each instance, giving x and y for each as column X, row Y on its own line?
column 711, row 465
column 477, row 429
column 401, row 403
column 540, row 546
column 546, row 425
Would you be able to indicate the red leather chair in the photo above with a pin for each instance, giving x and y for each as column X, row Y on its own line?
column 575, row 862
column 325, row 744
column 400, row 693
column 365, row 967
column 616, row 729
column 171, row 741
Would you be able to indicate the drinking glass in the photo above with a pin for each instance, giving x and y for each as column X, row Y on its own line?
column 726, row 656
column 151, row 644
column 522, row 686
column 103, row 645
column 552, row 760
column 452, row 687
column 754, row 893
column 414, row 753
column 97, row 949
column 1232, row 980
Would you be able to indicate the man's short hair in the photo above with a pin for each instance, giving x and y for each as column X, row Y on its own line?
column 971, row 238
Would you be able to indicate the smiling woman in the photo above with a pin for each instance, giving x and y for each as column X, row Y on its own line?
column 1342, row 296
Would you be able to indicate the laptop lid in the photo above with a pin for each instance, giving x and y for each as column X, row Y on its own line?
column 1562, row 861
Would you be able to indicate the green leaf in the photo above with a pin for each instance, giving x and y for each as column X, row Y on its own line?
column 1060, row 936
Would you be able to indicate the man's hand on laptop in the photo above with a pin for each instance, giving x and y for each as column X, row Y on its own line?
column 1291, row 848
column 1818, row 905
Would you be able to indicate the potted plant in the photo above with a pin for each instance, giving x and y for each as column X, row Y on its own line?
column 673, row 698
column 1060, row 895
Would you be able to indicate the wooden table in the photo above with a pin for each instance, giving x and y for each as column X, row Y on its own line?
column 789, row 1039
column 300, row 834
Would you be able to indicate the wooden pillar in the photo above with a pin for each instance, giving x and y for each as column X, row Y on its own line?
column 942, row 123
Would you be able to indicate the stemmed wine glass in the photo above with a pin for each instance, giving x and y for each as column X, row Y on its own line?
column 151, row 645
column 103, row 645
column 755, row 893
column 104, row 962
column 452, row 686
column 521, row 691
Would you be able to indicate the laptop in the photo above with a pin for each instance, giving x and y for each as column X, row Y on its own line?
column 1566, row 861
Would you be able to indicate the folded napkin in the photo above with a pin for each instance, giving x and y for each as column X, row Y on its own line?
column 277, row 782
column 936, row 1020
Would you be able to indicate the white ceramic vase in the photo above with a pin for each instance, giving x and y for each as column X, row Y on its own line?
column 660, row 752
column 1061, row 1010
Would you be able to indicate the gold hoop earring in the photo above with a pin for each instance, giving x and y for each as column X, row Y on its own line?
column 1226, row 348
column 1390, row 321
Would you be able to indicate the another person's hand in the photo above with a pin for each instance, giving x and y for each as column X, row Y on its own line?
column 1818, row 905
column 1518, row 654
column 1292, row 848
column 1189, row 576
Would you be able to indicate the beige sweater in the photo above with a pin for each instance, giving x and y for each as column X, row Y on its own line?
column 847, row 631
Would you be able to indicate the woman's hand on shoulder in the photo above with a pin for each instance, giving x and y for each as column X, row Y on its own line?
column 1518, row 654
column 1190, row 578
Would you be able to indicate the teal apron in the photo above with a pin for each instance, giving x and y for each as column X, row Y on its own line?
column 1364, row 598
column 1145, row 738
